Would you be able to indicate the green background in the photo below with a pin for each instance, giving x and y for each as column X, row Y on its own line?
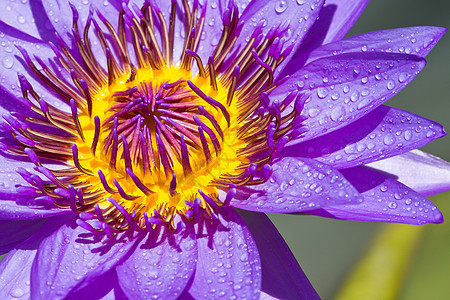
column 327, row 249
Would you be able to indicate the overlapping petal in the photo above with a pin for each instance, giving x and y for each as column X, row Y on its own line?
column 27, row 18
column 71, row 258
column 105, row 287
column 380, row 134
column 282, row 276
column 229, row 264
column 299, row 15
column 385, row 200
column 410, row 40
column 296, row 185
column 335, row 20
column 13, row 63
column 15, row 267
column 160, row 266
column 346, row 87
column 14, row 232
column 420, row 171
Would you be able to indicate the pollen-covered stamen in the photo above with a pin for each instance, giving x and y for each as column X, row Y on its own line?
column 138, row 183
column 77, row 161
column 204, row 144
column 199, row 62
column 76, row 121
column 105, row 183
column 96, row 134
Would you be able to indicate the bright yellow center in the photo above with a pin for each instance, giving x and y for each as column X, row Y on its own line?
column 203, row 172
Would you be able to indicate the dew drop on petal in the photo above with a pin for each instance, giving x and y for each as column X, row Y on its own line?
column 322, row 92
column 313, row 112
column 7, row 62
column 392, row 205
column 389, row 139
column 390, row 85
column 281, row 6
column 21, row 19
column 402, row 77
column 408, row 135
column 17, row 293
column 337, row 113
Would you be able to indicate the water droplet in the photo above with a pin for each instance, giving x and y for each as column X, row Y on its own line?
column 354, row 97
column 364, row 48
column 301, row 2
column 17, row 293
column 402, row 77
column 408, row 135
column 322, row 92
column 8, row 62
column 392, row 205
column 390, row 85
column 313, row 112
column 335, row 96
column 389, row 139
column 337, row 114
column 21, row 19
column 281, row 6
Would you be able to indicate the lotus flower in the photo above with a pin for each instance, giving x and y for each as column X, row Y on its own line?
column 143, row 141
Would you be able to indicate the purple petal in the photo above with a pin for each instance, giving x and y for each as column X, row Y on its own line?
column 23, row 205
column 434, row 172
column 228, row 261
column 296, row 185
column 15, row 206
column 282, row 276
column 29, row 17
column 12, row 63
column 410, row 40
column 300, row 14
column 61, row 17
column 71, row 258
column 335, row 20
column 15, row 267
column 105, row 287
column 346, row 14
column 385, row 200
column 380, row 134
column 15, row 232
column 161, row 265
column 345, row 87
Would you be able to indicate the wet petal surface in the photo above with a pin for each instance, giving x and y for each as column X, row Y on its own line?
column 385, row 200
column 297, row 184
column 160, row 266
column 229, row 265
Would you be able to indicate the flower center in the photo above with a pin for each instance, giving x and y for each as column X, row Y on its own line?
column 158, row 142
column 143, row 139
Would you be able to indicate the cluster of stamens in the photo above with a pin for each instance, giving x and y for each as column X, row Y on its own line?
column 143, row 140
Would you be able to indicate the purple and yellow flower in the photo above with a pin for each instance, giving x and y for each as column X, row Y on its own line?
column 133, row 129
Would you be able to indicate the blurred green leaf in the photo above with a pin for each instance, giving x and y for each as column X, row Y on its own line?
column 430, row 276
column 404, row 262
column 380, row 272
